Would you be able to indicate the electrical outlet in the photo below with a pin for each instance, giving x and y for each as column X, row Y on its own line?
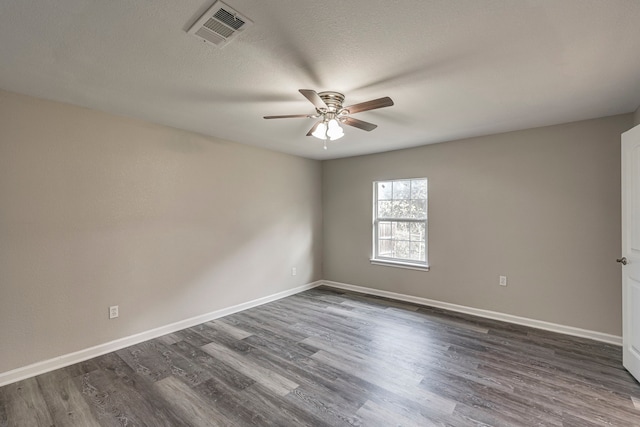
column 113, row 312
column 293, row 271
column 503, row 281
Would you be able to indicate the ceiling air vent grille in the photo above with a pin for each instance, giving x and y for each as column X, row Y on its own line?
column 228, row 18
column 219, row 25
column 219, row 28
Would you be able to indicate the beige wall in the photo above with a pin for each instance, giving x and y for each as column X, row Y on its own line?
column 541, row 206
column 98, row 210
column 636, row 117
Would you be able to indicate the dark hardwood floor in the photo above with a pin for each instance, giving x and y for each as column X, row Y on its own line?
column 333, row 358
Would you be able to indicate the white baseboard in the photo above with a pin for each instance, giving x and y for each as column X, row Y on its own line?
column 539, row 324
column 98, row 350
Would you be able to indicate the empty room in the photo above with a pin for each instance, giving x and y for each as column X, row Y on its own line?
column 335, row 213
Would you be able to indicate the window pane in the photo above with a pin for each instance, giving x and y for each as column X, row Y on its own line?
column 401, row 209
column 419, row 209
column 385, row 190
column 417, row 232
column 416, row 251
column 384, row 230
column 395, row 209
column 385, row 248
column 401, row 190
column 401, row 231
column 419, row 189
column 401, row 249
column 385, row 209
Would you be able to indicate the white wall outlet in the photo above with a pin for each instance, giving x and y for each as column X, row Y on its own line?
column 113, row 312
column 294, row 271
column 503, row 281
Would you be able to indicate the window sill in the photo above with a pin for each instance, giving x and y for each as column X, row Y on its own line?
column 400, row 264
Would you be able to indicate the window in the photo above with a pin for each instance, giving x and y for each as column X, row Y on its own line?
column 400, row 223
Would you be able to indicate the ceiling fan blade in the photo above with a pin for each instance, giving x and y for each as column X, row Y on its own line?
column 370, row 105
column 313, row 129
column 313, row 96
column 360, row 124
column 290, row 116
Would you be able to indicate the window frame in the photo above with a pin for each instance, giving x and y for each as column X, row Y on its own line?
column 376, row 258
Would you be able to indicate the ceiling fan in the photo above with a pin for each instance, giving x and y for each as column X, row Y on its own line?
column 331, row 113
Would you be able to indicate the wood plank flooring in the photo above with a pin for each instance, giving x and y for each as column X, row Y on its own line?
column 332, row 358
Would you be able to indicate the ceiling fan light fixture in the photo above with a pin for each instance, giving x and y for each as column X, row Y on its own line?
column 321, row 131
column 334, row 131
column 328, row 129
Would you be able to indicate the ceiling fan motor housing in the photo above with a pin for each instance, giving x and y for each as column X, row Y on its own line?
column 333, row 100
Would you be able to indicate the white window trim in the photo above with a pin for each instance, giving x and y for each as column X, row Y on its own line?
column 399, row 264
column 393, row 262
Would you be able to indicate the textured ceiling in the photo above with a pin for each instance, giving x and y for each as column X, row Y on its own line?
column 455, row 68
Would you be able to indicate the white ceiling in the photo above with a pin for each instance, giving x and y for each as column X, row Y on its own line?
column 455, row 68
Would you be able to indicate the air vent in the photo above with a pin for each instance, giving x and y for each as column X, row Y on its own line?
column 219, row 25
